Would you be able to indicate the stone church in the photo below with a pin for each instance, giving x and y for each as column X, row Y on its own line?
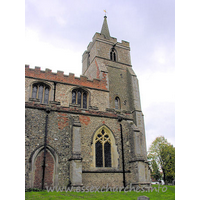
column 87, row 130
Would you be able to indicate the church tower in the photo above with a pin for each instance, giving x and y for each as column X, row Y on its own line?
column 86, row 131
column 105, row 57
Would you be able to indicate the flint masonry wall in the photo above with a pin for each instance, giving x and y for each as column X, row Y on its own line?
column 58, row 138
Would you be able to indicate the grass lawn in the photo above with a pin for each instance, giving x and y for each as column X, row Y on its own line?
column 165, row 192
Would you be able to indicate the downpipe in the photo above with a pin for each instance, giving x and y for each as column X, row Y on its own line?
column 45, row 148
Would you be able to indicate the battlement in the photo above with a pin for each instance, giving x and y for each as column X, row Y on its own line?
column 111, row 40
column 61, row 77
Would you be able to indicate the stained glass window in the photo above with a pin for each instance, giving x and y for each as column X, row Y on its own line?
column 107, row 154
column 99, row 158
column 34, row 92
column 74, row 97
column 79, row 96
column 46, row 95
column 84, row 100
column 40, row 95
column 41, row 91
column 103, row 149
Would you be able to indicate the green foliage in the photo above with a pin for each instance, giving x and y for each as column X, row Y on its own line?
column 170, row 165
column 155, row 171
column 163, row 153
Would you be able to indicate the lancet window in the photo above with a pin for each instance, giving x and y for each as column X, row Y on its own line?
column 113, row 55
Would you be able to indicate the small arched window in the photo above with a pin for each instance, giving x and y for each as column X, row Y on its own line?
column 103, row 149
column 117, row 103
column 113, row 55
column 79, row 97
column 41, row 91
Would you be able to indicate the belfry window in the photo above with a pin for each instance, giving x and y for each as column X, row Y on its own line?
column 117, row 103
column 113, row 55
column 103, row 149
column 41, row 91
column 79, row 97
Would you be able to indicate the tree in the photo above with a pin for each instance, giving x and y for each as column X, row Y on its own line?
column 155, row 171
column 163, row 153
column 169, row 166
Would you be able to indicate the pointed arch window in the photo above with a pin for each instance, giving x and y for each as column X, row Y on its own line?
column 113, row 55
column 103, row 149
column 41, row 91
column 80, row 97
column 117, row 103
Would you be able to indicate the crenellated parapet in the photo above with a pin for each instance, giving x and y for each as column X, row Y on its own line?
column 111, row 40
column 69, row 79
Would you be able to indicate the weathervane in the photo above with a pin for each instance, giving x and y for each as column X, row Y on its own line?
column 105, row 12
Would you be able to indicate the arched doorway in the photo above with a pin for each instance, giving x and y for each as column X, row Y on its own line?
column 51, row 166
column 48, row 172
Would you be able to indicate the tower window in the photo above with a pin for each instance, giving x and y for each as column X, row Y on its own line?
column 103, row 149
column 117, row 103
column 41, row 91
column 113, row 56
column 79, row 97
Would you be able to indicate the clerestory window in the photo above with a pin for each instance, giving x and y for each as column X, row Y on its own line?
column 103, row 149
column 41, row 91
column 79, row 97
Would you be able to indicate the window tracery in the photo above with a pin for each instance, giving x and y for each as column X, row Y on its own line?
column 103, row 149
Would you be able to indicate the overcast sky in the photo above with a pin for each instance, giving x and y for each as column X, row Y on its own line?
column 58, row 32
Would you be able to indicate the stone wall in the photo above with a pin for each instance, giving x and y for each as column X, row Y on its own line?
column 58, row 141
column 96, row 97
column 103, row 180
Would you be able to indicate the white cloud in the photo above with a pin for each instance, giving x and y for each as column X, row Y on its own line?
column 157, row 91
column 160, row 121
column 157, row 87
column 159, row 55
column 46, row 55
